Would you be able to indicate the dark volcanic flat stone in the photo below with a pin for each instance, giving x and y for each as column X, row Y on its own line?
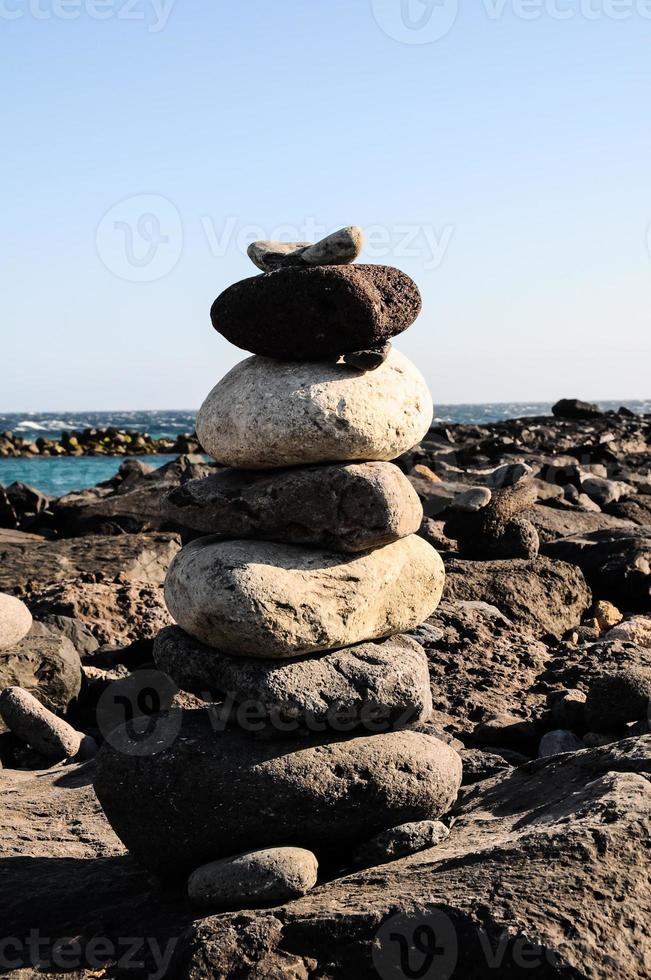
column 210, row 794
column 348, row 507
column 299, row 314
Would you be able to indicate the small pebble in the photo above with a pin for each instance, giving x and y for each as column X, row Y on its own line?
column 559, row 741
column 270, row 876
column 400, row 841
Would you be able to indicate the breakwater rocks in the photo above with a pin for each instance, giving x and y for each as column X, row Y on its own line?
column 97, row 442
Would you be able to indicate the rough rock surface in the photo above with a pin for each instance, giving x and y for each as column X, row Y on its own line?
column 269, row 876
column 375, row 684
column 326, row 796
column 346, row 508
column 532, row 857
column 339, row 248
column 15, row 620
column 115, row 613
column 617, row 697
column 271, row 600
column 397, row 842
column 140, row 557
column 555, row 522
column 310, row 314
column 495, row 529
column 547, row 596
column 33, row 724
column 44, row 663
column 524, row 886
column 265, row 414
column 616, row 563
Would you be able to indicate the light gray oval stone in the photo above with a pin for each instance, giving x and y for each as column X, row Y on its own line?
column 348, row 507
column 265, row 413
column 374, row 685
column 33, row 724
column 277, row 600
column 15, row 620
column 269, row 876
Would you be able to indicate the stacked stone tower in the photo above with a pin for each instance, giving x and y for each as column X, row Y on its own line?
column 293, row 598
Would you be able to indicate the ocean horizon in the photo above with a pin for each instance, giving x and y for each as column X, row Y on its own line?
column 56, row 476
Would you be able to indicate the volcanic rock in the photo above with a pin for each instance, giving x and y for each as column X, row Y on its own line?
column 269, row 876
column 312, row 314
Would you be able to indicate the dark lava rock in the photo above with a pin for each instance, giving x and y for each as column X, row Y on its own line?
column 44, row 663
column 373, row 685
column 209, row 794
column 317, row 313
column 497, row 530
column 548, row 597
column 615, row 698
column 616, row 563
column 555, row 522
column 574, row 408
column 347, row 507
column 367, row 360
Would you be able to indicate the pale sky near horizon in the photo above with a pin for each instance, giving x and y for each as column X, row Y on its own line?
column 498, row 152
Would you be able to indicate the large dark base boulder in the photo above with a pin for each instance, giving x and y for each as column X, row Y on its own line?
column 298, row 314
column 210, row 794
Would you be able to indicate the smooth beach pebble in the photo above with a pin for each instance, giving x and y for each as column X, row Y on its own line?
column 303, row 314
column 15, row 620
column 348, row 507
column 265, row 414
column 269, row 876
column 33, row 724
column 276, row 600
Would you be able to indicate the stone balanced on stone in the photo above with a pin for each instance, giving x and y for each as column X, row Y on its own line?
column 291, row 610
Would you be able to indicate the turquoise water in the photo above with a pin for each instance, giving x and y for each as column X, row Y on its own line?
column 56, row 476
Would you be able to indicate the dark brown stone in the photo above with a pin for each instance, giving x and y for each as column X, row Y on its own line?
column 317, row 313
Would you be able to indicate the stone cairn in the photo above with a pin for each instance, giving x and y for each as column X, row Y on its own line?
column 293, row 598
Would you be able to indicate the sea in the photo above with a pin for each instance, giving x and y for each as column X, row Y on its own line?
column 55, row 476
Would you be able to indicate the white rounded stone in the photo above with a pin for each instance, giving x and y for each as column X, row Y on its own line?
column 15, row 621
column 266, row 413
column 276, row 600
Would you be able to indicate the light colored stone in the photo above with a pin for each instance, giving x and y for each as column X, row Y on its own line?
column 474, row 499
column 372, row 685
column 15, row 620
column 273, row 875
column 607, row 615
column 340, row 248
column 33, row 724
column 273, row 600
column 265, row 413
column 635, row 630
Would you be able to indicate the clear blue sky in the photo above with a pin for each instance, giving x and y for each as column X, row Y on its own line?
column 514, row 152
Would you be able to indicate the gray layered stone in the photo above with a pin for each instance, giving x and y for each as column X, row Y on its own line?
column 266, row 414
column 347, row 508
column 33, row 724
column 270, row 876
column 339, row 248
column 209, row 794
column 268, row 600
column 372, row 685
column 15, row 620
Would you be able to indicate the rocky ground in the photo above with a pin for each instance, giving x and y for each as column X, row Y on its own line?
column 540, row 675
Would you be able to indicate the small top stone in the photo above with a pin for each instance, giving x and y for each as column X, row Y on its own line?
column 340, row 248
